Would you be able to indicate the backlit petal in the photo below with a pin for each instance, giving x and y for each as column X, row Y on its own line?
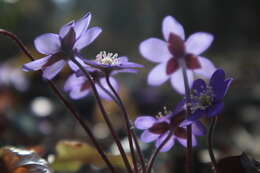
column 207, row 67
column 155, row 50
column 47, row 43
column 144, row 122
column 157, row 75
column 171, row 25
column 198, row 42
column 36, row 64
column 51, row 71
column 178, row 82
column 147, row 136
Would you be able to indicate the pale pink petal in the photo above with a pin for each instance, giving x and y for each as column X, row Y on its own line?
column 198, row 42
column 171, row 25
column 87, row 37
column 157, row 75
column 144, row 122
column 155, row 50
column 82, row 24
column 147, row 136
column 168, row 145
column 51, row 71
column 104, row 84
column 36, row 64
column 207, row 67
column 47, row 43
column 178, row 82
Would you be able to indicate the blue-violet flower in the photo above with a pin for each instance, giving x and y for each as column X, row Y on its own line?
column 207, row 98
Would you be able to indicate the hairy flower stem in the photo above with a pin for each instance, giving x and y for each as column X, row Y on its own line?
column 105, row 116
column 127, row 121
column 64, row 101
column 210, row 142
column 188, row 165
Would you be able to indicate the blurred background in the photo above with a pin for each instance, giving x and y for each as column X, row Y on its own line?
column 31, row 115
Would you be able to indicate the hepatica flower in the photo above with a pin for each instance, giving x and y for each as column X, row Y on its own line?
column 79, row 86
column 109, row 62
column 60, row 48
column 173, row 48
column 158, row 128
column 207, row 98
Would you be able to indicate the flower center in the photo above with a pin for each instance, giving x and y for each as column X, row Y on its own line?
column 107, row 58
column 201, row 100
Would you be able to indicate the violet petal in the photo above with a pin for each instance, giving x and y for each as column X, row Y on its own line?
column 147, row 136
column 47, row 43
column 87, row 37
column 144, row 122
column 51, row 71
column 36, row 64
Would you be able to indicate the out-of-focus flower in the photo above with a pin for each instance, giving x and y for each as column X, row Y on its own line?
column 168, row 53
column 79, row 86
column 207, row 99
column 10, row 76
column 60, row 48
column 157, row 129
column 109, row 62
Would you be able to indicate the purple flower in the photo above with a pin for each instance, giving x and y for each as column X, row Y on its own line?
column 60, row 48
column 109, row 62
column 168, row 53
column 158, row 128
column 79, row 86
column 207, row 99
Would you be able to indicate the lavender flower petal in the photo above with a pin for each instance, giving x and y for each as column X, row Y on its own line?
column 168, row 145
column 144, row 122
column 73, row 81
column 77, row 93
column 87, row 37
column 198, row 42
column 47, row 43
column 157, row 75
column 82, row 24
column 171, row 25
column 104, row 84
column 207, row 67
column 51, row 71
column 65, row 29
column 155, row 50
column 177, row 80
column 147, row 136
column 36, row 64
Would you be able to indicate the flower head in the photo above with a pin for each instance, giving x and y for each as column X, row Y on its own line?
column 60, row 48
column 207, row 98
column 174, row 48
column 78, row 86
column 109, row 62
column 158, row 128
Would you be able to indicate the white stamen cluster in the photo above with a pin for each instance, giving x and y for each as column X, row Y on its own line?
column 107, row 58
column 201, row 100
